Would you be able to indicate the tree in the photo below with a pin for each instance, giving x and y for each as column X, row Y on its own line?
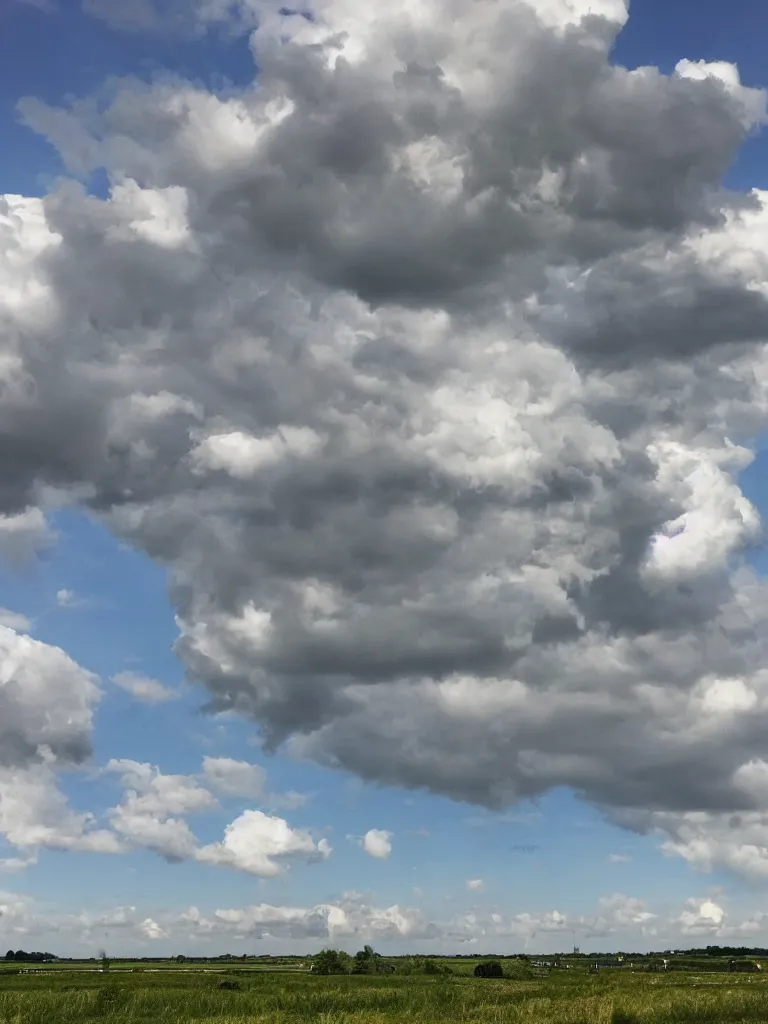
column 365, row 961
column 330, row 961
column 10, row 955
column 490, row 969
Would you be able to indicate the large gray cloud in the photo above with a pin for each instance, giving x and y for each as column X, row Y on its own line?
column 46, row 703
column 428, row 367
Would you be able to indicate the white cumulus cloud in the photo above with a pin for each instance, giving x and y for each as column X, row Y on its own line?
column 377, row 843
column 263, row 844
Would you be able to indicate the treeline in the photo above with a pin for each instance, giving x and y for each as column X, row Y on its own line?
column 28, row 958
column 728, row 951
column 368, row 961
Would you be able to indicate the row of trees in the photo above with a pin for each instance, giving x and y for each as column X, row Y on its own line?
column 728, row 951
column 368, row 961
column 23, row 957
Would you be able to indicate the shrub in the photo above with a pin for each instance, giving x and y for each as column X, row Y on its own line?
column 490, row 969
column 517, row 970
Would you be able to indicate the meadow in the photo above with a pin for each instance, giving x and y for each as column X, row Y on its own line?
column 240, row 996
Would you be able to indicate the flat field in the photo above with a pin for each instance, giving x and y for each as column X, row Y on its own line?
column 237, row 997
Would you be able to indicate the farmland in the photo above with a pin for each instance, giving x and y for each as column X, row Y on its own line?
column 236, row 995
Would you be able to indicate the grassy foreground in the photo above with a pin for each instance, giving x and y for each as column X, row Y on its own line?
column 184, row 998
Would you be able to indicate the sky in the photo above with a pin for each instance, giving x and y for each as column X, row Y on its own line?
column 383, row 418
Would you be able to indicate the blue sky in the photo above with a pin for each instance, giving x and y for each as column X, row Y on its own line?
column 106, row 605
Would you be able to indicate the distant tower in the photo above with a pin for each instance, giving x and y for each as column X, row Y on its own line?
column 575, row 947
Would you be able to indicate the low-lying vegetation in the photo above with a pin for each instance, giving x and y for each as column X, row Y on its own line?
column 260, row 997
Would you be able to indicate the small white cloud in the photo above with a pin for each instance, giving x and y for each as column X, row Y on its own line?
column 67, row 598
column 619, row 858
column 144, row 689
column 151, row 929
column 475, row 884
column 15, row 620
column 377, row 843
column 259, row 844
column 12, row 865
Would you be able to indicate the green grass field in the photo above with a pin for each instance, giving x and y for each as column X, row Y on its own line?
column 185, row 997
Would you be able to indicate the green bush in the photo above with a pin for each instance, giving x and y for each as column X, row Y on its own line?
column 331, row 961
column 490, row 969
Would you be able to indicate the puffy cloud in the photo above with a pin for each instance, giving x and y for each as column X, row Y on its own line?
column 429, row 367
column 152, row 815
column 144, row 689
column 23, row 536
column 243, row 456
column 701, row 917
column 151, row 930
column 46, row 703
column 377, row 843
column 736, row 840
column 35, row 814
column 152, row 812
column 706, row 917
column 475, row 884
column 260, row 844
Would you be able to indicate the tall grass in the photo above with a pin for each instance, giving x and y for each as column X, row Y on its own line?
column 270, row 998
